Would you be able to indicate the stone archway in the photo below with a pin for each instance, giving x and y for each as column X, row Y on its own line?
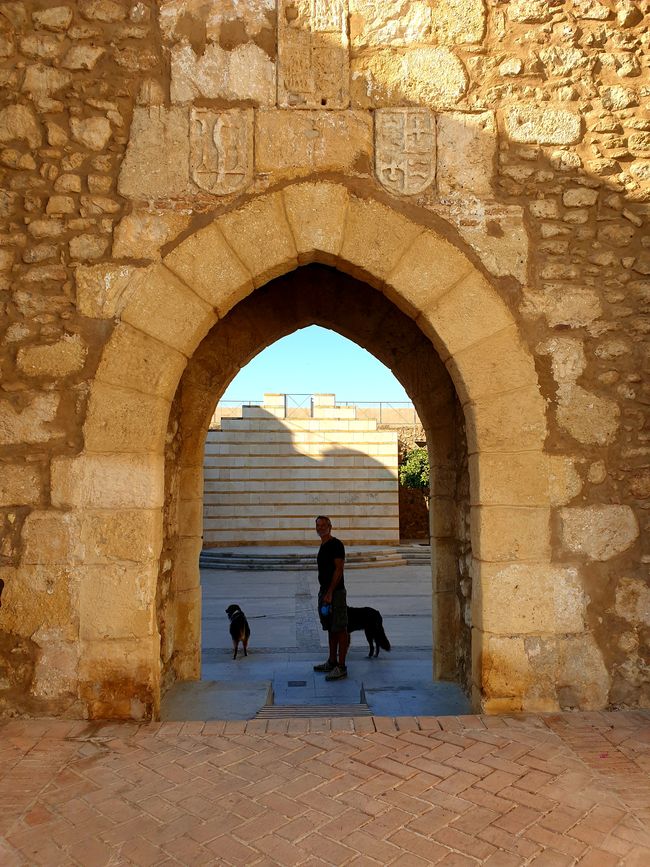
column 320, row 295
column 114, row 490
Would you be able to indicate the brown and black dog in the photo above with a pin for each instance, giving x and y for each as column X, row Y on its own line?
column 239, row 628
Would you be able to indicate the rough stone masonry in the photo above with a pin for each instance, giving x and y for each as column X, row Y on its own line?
column 480, row 168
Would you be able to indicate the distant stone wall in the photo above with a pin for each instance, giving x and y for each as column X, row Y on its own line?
column 266, row 477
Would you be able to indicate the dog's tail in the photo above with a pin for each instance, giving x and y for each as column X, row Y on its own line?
column 381, row 638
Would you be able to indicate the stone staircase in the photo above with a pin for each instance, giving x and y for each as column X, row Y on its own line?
column 249, row 560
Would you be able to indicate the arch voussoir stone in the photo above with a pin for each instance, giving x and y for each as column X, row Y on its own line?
column 208, row 264
column 260, row 235
column 317, row 216
column 375, row 239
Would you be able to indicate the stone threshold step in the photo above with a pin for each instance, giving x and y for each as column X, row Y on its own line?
column 291, row 567
column 313, row 711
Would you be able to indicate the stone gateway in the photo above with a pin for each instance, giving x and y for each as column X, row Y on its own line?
column 184, row 183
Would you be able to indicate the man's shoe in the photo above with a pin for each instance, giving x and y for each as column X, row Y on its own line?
column 325, row 666
column 337, row 673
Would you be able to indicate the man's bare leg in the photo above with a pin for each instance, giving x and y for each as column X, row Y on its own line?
column 333, row 641
column 343, row 641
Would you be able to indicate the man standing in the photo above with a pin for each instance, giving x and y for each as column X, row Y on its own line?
column 332, row 599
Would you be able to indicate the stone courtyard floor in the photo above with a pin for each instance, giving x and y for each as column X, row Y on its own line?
column 545, row 790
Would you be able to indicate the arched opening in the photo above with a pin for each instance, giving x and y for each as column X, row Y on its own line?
column 167, row 310
column 315, row 294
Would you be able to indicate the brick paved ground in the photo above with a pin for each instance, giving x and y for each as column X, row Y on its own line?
column 554, row 790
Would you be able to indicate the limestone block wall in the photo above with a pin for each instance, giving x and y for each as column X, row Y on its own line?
column 266, row 477
column 484, row 166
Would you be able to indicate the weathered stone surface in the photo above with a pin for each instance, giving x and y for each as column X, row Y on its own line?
column 115, row 601
column 246, row 73
column 565, row 482
column 19, row 123
column 529, row 10
column 568, row 360
column 221, row 149
column 316, row 215
column 586, row 416
column 33, row 423
column 57, row 18
column 528, row 123
column 135, row 360
column 207, row 264
column 122, row 420
column 582, row 678
column 599, row 532
column 108, row 482
column 633, row 601
column 260, row 236
column 580, row 198
column 41, row 597
column 161, row 305
column 502, row 667
column 125, row 535
column 375, row 239
column 405, row 149
column 92, row 132
column 66, row 356
column 466, row 153
column 141, row 234
column 20, row 485
column 157, row 160
column 42, row 45
column 100, row 288
column 61, row 529
column 44, row 81
column 464, row 316
column 428, row 76
column 617, row 97
column 108, row 11
column 503, row 534
column 219, row 20
column 528, row 598
column 498, row 234
column 563, row 305
column 88, row 247
column 313, row 54
column 499, row 363
column 376, row 24
column 520, row 479
column 82, row 57
column 316, row 141
column 507, row 422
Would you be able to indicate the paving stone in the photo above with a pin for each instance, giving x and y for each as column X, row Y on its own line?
column 193, row 794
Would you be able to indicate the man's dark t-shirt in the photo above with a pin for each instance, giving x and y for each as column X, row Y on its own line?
column 328, row 552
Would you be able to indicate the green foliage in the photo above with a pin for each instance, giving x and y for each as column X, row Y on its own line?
column 414, row 471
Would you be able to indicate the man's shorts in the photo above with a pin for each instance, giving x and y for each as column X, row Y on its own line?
column 337, row 619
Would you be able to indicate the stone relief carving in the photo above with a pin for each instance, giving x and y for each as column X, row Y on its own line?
column 221, row 149
column 313, row 60
column 405, row 149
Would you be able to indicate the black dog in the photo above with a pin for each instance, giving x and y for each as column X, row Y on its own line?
column 369, row 619
column 239, row 628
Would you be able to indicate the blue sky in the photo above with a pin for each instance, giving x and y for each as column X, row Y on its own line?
column 312, row 360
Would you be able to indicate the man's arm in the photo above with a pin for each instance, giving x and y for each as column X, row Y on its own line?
column 336, row 579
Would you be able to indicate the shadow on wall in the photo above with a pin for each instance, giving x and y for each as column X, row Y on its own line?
column 266, row 478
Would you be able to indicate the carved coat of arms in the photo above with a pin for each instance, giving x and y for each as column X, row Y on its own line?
column 221, row 149
column 405, row 149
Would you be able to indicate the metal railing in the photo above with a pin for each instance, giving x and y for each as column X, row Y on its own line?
column 302, row 405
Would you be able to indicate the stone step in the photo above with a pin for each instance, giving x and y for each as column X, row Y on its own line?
column 318, row 711
column 214, row 558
